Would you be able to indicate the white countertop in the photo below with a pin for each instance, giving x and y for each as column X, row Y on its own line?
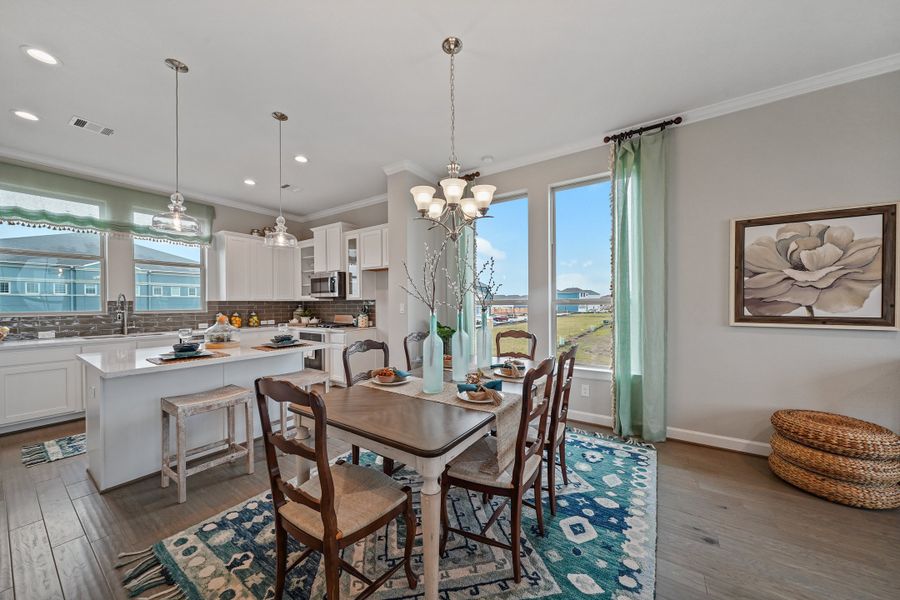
column 124, row 362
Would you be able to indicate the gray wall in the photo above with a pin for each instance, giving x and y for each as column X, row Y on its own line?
column 832, row 148
column 377, row 214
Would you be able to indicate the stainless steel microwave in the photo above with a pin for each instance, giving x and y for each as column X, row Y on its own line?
column 329, row 285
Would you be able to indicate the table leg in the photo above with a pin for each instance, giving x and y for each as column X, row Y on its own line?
column 431, row 527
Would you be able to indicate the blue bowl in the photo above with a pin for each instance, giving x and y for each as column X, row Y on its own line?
column 184, row 347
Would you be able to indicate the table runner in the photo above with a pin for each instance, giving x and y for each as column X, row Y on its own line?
column 506, row 417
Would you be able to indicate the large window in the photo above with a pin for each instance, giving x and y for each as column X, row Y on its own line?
column 505, row 239
column 49, row 271
column 167, row 276
column 583, row 302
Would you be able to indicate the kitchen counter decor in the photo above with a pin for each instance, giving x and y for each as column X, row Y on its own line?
column 222, row 335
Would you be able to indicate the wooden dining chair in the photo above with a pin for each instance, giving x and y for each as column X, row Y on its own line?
column 356, row 348
column 343, row 504
column 525, row 471
column 555, row 442
column 517, row 334
column 414, row 338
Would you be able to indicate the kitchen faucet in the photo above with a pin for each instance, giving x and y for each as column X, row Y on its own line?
column 122, row 313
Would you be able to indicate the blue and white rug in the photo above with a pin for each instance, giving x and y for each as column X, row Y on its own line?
column 601, row 544
column 44, row 452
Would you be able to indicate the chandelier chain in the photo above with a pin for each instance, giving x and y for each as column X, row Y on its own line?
column 453, row 158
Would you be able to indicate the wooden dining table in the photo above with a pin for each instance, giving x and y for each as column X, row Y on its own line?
column 423, row 434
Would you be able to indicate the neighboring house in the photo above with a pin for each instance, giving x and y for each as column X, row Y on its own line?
column 589, row 301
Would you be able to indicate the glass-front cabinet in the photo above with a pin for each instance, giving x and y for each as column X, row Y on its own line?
column 307, row 268
column 351, row 254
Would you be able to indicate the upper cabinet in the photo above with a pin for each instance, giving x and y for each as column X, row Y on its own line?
column 306, row 267
column 328, row 242
column 373, row 247
column 250, row 270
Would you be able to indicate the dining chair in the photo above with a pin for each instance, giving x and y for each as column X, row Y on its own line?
column 555, row 442
column 414, row 338
column 343, row 504
column 356, row 348
column 517, row 334
column 523, row 474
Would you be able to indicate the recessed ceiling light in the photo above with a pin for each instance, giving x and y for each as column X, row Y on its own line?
column 301, row 159
column 249, row 182
column 24, row 114
column 41, row 55
column 487, row 159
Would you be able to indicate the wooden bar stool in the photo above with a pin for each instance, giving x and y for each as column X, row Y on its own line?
column 304, row 380
column 181, row 407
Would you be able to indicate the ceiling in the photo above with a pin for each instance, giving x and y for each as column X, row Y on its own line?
column 365, row 83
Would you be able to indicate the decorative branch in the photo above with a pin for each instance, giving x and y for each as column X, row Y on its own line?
column 485, row 292
column 427, row 292
column 458, row 287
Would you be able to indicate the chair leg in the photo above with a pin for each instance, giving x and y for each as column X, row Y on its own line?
column 332, row 570
column 409, row 518
column 354, row 455
column 551, row 478
column 165, row 448
column 515, row 525
column 445, row 517
column 280, row 559
column 387, row 466
column 562, row 460
column 538, row 503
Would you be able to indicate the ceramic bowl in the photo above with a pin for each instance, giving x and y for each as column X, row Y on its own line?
column 186, row 347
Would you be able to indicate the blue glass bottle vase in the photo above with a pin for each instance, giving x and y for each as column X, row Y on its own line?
column 433, row 360
column 460, row 351
column 485, row 341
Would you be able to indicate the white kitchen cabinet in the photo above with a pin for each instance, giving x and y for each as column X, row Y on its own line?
column 285, row 273
column 36, row 384
column 234, row 255
column 351, row 255
column 370, row 241
column 328, row 246
column 306, row 268
column 359, row 362
column 385, row 247
column 262, row 281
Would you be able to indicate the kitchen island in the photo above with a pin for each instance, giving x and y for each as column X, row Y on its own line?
column 122, row 392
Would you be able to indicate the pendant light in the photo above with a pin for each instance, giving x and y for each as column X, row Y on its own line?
column 280, row 237
column 176, row 220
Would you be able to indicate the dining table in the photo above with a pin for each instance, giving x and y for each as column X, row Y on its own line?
column 423, row 434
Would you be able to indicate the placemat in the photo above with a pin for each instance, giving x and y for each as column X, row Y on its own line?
column 158, row 361
column 270, row 349
column 506, row 416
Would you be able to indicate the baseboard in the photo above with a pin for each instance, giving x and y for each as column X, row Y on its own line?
column 38, row 423
column 685, row 435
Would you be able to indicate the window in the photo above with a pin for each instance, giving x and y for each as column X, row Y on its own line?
column 45, row 270
column 164, row 271
column 583, row 228
column 91, row 289
column 505, row 239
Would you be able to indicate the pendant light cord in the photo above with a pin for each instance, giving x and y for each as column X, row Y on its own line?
column 453, row 159
column 176, row 131
column 280, row 178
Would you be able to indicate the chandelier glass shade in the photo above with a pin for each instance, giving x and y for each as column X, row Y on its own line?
column 176, row 220
column 280, row 237
column 454, row 211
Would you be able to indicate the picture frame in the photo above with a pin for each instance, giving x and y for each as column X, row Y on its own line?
column 834, row 269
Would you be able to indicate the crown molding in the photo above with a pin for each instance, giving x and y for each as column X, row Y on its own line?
column 412, row 167
column 872, row 68
column 342, row 208
column 101, row 176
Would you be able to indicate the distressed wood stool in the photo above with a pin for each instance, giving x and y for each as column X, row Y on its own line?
column 304, row 380
column 228, row 397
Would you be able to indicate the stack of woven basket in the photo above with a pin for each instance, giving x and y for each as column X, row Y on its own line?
column 839, row 458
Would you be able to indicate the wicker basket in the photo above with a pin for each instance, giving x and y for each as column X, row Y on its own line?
column 838, row 434
column 845, row 468
column 852, row 494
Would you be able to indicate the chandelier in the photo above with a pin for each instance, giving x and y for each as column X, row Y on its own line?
column 453, row 212
column 280, row 236
column 176, row 220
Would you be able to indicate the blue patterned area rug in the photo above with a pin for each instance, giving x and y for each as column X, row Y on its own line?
column 601, row 544
column 44, row 452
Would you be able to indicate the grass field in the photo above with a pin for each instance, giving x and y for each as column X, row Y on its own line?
column 585, row 329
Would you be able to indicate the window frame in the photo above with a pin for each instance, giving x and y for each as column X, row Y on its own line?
column 159, row 263
column 28, row 293
column 96, row 287
column 8, row 288
column 65, row 291
column 592, row 372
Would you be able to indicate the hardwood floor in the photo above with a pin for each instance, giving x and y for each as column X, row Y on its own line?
column 728, row 529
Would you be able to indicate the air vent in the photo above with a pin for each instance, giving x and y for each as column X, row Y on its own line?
column 91, row 126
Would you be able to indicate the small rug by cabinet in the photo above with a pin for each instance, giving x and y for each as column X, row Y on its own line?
column 601, row 544
column 44, row 452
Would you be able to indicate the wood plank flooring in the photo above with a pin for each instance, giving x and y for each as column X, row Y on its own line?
column 728, row 529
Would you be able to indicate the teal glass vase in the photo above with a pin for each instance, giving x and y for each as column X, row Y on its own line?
column 460, row 351
column 485, row 341
column 433, row 360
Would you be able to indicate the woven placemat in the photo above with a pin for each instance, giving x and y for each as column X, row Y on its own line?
column 270, row 349
column 158, row 361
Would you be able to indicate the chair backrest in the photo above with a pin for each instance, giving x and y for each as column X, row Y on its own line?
column 414, row 338
column 362, row 346
column 533, row 408
column 565, row 370
column 283, row 491
column 517, row 334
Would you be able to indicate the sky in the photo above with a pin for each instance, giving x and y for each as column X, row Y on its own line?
column 583, row 226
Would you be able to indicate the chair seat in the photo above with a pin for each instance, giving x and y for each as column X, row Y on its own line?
column 361, row 497
column 532, row 433
column 467, row 466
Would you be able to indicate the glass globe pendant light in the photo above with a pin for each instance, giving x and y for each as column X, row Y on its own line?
column 280, row 237
column 176, row 220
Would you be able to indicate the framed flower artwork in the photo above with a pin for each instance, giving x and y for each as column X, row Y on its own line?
column 830, row 268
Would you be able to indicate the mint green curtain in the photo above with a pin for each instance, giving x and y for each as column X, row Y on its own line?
column 639, row 287
column 465, row 259
column 30, row 196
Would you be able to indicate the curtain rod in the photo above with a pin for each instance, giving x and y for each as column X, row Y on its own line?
column 624, row 135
